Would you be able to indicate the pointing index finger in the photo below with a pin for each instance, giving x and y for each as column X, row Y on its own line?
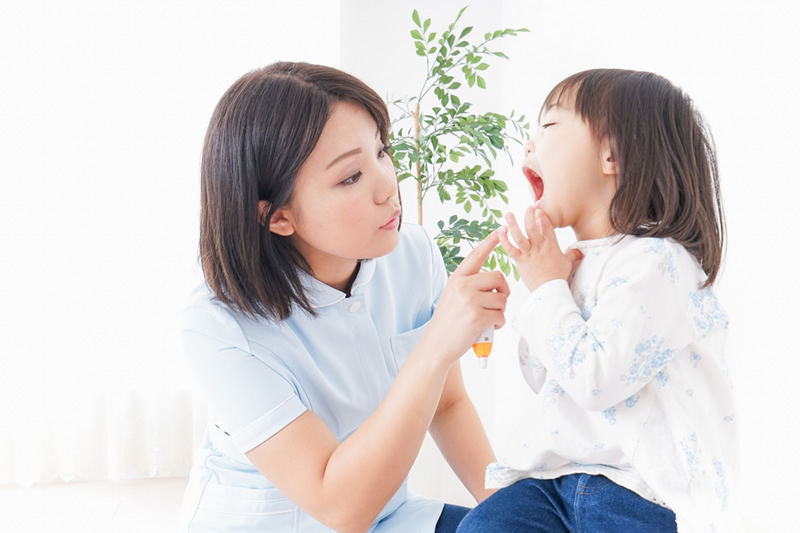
column 477, row 256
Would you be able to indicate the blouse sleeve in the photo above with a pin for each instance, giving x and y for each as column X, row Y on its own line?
column 604, row 355
column 249, row 399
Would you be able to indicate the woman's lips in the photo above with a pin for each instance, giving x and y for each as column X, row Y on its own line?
column 536, row 183
column 394, row 222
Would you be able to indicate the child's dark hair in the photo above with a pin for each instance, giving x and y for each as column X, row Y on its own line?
column 262, row 131
column 667, row 184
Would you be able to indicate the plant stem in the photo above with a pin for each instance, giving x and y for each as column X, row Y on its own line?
column 415, row 115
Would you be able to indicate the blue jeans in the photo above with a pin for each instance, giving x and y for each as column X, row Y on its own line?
column 450, row 518
column 577, row 503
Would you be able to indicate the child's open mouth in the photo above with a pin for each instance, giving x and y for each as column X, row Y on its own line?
column 536, row 182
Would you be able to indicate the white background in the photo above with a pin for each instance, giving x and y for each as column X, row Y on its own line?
column 103, row 108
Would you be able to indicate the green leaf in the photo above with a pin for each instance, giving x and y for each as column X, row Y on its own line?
column 451, row 136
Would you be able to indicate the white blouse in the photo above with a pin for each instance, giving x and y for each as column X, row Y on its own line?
column 628, row 365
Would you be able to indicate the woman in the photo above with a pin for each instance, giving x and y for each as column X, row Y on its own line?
column 314, row 336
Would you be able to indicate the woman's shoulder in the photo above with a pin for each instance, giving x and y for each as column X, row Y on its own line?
column 415, row 242
column 411, row 234
column 205, row 315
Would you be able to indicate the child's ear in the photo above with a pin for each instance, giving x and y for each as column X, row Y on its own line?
column 279, row 222
column 608, row 157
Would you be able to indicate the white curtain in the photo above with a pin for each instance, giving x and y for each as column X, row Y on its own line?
column 100, row 435
column 104, row 107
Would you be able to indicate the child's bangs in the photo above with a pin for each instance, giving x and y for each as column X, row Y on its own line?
column 586, row 93
column 562, row 95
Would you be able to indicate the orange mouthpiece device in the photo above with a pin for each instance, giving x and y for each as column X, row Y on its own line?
column 483, row 346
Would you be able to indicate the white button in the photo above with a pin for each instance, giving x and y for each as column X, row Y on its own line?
column 355, row 307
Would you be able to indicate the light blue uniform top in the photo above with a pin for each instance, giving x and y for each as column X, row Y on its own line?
column 259, row 376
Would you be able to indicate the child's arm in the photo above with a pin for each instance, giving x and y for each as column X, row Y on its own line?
column 603, row 355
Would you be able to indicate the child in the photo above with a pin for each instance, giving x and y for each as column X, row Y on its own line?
column 622, row 336
column 315, row 338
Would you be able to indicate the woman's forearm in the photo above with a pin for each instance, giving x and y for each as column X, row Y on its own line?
column 346, row 485
column 458, row 432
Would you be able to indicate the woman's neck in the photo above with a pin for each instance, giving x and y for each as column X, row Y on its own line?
column 340, row 279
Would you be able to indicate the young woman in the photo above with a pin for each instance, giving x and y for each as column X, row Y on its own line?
column 325, row 338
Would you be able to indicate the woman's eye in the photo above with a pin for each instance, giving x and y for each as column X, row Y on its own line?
column 352, row 179
column 383, row 151
column 545, row 126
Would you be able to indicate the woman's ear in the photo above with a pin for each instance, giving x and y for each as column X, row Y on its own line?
column 263, row 210
column 608, row 160
column 279, row 223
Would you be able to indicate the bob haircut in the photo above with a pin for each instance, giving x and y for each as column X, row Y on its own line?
column 668, row 185
column 260, row 134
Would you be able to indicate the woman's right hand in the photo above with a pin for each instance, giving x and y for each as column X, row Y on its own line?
column 471, row 301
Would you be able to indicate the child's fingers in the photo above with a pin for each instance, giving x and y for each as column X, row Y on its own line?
column 575, row 256
column 523, row 244
column 531, row 226
column 512, row 251
column 544, row 226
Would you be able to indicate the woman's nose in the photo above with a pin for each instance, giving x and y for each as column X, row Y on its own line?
column 530, row 147
column 387, row 185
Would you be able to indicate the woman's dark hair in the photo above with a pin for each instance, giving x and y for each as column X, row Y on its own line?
column 667, row 184
column 262, row 131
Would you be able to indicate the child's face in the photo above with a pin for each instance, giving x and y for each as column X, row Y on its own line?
column 345, row 205
column 564, row 166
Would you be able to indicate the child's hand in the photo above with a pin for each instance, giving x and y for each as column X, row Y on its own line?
column 537, row 255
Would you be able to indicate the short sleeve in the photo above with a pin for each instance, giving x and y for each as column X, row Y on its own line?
column 249, row 399
column 438, row 270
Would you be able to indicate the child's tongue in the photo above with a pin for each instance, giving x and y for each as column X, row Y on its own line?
column 536, row 183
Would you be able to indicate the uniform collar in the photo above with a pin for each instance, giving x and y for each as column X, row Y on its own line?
column 321, row 295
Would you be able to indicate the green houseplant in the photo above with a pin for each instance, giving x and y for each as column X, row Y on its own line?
column 449, row 149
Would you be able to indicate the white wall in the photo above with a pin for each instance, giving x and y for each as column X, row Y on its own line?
column 738, row 60
column 103, row 110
